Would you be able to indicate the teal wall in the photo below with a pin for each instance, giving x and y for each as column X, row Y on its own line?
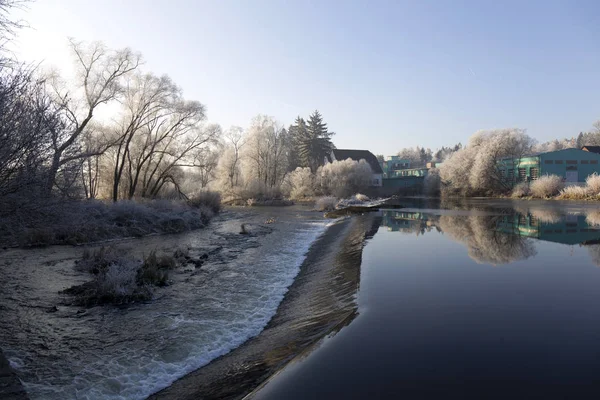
column 580, row 161
column 555, row 163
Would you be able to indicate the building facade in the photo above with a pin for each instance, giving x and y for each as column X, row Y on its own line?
column 573, row 165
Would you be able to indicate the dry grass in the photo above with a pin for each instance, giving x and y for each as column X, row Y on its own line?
column 593, row 184
column 521, row 190
column 120, row 278
column 546, row 186
column 78, row 222
column 574, row 193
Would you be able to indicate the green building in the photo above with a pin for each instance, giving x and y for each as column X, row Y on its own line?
column 392, row 164
column 573, row 165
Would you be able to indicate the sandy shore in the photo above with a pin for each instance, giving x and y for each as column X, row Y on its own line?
column 321, row 301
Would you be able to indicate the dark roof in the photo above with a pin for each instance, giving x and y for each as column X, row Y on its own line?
column 357, row 155
column 591, row 149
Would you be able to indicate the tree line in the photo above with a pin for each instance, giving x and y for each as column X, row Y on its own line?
column 156, row 143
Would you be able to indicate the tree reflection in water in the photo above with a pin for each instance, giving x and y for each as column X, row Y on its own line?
column 501, row 235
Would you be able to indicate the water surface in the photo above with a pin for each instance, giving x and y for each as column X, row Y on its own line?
column 479, row 301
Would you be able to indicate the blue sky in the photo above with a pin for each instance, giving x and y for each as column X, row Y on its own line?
column 384, row 74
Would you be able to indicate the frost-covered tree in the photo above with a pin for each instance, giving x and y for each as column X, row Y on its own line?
column 344, row 177
column 100, row 74
column 265, row 153
column 475, row 168
column 229, row 173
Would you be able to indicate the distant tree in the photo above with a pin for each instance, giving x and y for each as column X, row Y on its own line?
column 313, row 141
column 265, row 152
column 228, row 169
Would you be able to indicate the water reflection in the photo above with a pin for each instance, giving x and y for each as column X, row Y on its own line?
column 503, row 235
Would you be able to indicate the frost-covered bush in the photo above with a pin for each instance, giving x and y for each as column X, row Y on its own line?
column 574, row 193
column 326, row 203
column 78, row 222
column 344, row 178
column 206, row 198
column 119, row 278
column 593, row 184
column 546, row 186
column 521, row 190
column 299, row 184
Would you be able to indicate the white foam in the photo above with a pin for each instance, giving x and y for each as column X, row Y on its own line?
column 247, row 297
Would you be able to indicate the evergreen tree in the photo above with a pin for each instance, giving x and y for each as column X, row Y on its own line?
column 313, row 141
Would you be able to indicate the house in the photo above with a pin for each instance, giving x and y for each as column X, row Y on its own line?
column 357, row 155
column 573, row 165
column 392, row 164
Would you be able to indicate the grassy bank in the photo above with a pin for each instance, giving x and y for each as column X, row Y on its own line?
column 53, row 221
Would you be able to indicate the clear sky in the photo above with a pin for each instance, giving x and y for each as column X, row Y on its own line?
column 384, row 74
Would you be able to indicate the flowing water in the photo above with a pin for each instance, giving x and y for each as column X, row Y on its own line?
column 488, row 299
column 68, row 352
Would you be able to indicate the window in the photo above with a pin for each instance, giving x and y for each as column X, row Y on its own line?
column 572, row 162
column 571, row 168
column 511, row 174
column 548, row 161
column 558, row 162
column 585, row 161
column 594, row 162
column 522, row 174
column 534, row 173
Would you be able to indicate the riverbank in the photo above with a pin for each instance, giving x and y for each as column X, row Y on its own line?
column 320, row 302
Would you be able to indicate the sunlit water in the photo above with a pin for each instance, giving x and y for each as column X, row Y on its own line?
column 489, row 300
column 130, row 352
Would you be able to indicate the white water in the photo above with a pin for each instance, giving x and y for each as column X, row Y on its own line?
column 130, row 353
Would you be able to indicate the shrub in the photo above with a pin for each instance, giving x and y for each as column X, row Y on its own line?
column 76, row 222
column 574, row 193
column 121, row 278
column 326, row 203
column 299, row 184
column 593, row 183
column 208, row 199
column 95, row 261
column 155, row 269
column 344, row 178
column 546, row 186
column 521, row 190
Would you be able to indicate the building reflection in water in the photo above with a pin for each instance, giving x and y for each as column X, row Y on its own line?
column 505, row 235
